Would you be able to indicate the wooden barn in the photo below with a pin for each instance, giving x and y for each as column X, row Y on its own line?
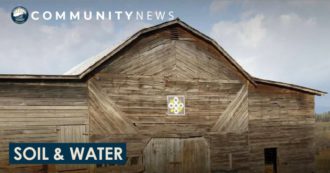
column 180, row 102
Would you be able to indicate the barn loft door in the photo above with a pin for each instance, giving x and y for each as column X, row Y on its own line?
column 163, row 155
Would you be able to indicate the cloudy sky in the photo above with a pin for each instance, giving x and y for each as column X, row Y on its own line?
column 279, row 40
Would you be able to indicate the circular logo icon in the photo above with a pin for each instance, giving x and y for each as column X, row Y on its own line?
column 19, row 15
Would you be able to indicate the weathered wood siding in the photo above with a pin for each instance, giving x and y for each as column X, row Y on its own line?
column 39, row 112
column 128, row 94
column 235, row 116
column 283, row 119
column 229, row 152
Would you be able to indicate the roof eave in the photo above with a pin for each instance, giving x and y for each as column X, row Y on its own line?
column 291, row 86
column 37, row 77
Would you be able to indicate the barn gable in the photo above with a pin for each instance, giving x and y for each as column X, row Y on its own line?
column 170, row 61
column 173, row 52
column 175, row 35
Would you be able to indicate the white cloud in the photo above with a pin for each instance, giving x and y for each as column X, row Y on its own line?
column 287, row 47
column 248, row 33
column 39, row 48
column 274, row 47
column 293, row 19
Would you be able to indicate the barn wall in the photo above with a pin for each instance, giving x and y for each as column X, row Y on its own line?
column 41, row 112
column 127, row 97
column 283, row 119
column 229, row 152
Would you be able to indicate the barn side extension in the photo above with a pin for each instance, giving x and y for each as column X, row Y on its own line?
column 233, row 122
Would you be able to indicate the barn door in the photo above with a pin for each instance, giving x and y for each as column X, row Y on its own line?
column 72, row 134
column 163, row 155
column 270, row 160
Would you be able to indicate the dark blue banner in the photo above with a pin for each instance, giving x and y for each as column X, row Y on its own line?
column 67, row 153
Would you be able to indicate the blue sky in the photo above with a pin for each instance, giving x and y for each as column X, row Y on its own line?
column 279, row 40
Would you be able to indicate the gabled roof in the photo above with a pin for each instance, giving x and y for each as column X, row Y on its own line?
column 82, row 70
column 92, row 63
